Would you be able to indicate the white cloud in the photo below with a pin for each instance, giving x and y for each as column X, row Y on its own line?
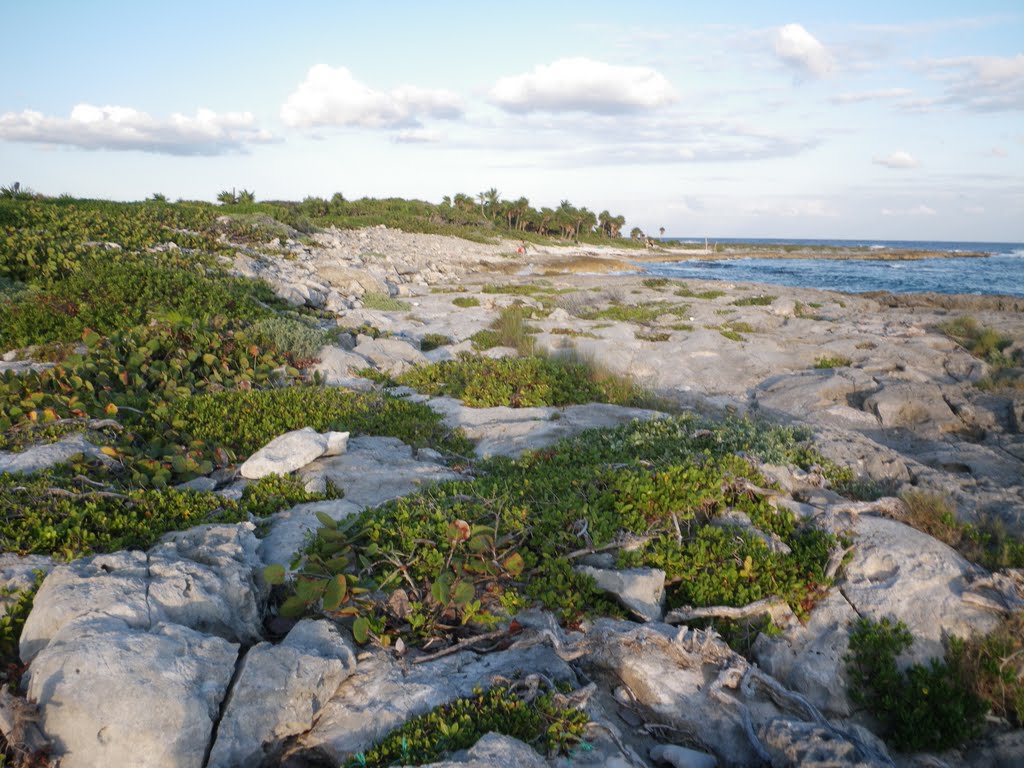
column 124, row 128
column 800, row 49
column 580, row 84
column 918, row 210
column 887, row 94
column 332, row 96
column 982, row 83
column 418, row 136
column 897, row 160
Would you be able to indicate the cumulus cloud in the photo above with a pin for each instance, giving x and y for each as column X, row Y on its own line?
column 918, row 210
column 580, row 84
column 124, row 128
column 982, row 83
column 332, row 96
column 801, row 50
column 897, row 160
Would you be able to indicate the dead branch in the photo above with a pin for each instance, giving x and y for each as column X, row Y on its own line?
column 775, row 607
column 462, row 645
column 19, row 724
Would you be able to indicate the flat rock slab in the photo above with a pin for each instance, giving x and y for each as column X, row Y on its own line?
column 293, row 450
column 896, row 572
column 641, row 590
column 381, row 695
column 111, row 694
column 376, row 469
column 506, row 431
column 203, row 579
column 40, row 457
column 338, row 368
column 392, row 356
column 279, row 691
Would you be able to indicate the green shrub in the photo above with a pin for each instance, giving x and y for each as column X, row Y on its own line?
column 655, row 282
column 688, row 293
column 471, row 552
column 382, row 303
column 428, row 738
column 922, row 707
column 509, row 329
column 297, row 339
column 466, row 301
column 837, row 361
column 433, row 341
column 754, row 301
column 984, row 343
column 481, row 382
column 243, row 422
column 645, row 313
column 992, row 666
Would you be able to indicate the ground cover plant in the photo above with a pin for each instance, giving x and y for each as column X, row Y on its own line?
column 542, row 722
column 522, row 382
column 458, row 557
column 921, row 707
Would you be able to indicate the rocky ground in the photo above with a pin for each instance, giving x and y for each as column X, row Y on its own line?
column 174, row 636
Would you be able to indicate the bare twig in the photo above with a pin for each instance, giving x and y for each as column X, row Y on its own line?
column 776, row 607
column 462, row 645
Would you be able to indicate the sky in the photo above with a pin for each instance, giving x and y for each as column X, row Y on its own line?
column 866, row 120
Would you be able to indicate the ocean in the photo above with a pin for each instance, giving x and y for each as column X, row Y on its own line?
column 1002, row 272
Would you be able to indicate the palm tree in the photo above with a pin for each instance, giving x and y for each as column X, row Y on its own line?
column 635, row 233
column 661, row 231
column 246, row 197
column 463, row 202
column 227, row 198
column 615, row 225
column 545, row 217
column 446, row 201
column 492, row 197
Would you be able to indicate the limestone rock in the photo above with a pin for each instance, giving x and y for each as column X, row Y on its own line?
column 201, row 578
column 809, row 746
column 338, row 366
column 290, row 530
column 381, row 695
column 392, row 356
column 505, row 431
column 112, row 694
column 681, row 757
column 40, row 457
column 279, row 690
column 18, row 575
column 911, row 404
column 641, row 590
column 376, row 469
column 494, row 750
column 292, row 451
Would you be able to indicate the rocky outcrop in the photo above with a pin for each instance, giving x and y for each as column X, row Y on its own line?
column 292, row 451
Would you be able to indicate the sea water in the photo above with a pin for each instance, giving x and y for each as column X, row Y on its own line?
column 1001, row 272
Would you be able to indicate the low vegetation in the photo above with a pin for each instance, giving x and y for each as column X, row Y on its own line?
column 551, row 729
column 465, row 555
column 986, row 542
column 754, row 301
column 835, row 361
column 520, row 382
column 922, row 707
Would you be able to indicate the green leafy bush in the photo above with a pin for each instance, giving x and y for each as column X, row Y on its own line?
column 466, row 301
column 509, row 329
column 242, row 422
column 837, row 361
column 984, row 343
column 481, row 382
column 382, row 303
column 428, row 738
column 922, row 707
column 471, row 552
column 754, row 301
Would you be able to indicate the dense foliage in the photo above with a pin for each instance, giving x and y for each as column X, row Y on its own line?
column 922, row 706
column 427, row 738
column 465, row 554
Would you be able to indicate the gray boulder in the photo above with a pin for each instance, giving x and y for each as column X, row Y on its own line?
column 47, row 455
column 201, row 578
column 112, row 694
column 641, row 590
column 279, row 691
column 291, row 451
column 392, row 356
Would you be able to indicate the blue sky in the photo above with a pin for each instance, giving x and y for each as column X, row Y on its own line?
column 859, row 120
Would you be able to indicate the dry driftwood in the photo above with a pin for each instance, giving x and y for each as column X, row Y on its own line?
column 776, row 607
column 19, row 724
